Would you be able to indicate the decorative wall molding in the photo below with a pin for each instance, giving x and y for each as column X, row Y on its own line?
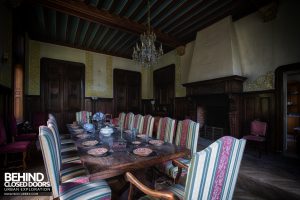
column 263, row 82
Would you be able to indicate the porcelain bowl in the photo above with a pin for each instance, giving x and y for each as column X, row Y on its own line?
column 106, row 131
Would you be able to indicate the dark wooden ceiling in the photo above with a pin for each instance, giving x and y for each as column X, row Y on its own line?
column 113, row 26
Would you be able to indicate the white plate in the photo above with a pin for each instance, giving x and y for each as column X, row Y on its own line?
column 142, row 151
column 90, row 143
column 136, row 142
column 156, row 142
column 141, row 136
column 82, row 136
column 98, row 151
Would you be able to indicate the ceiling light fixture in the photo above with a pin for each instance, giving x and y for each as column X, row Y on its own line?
column 146, row 53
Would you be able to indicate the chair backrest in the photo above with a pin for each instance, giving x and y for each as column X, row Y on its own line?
column 213, row 172
column 121, row 119
column 54, row 130
column 138, row 122
column 48, row 147
column 155, row 126
column 148, row 125
column 258, row 128
column 128, row 124
column 166, row 128
column 83, row 117
column 187, row 135
column 2, row 133
column 51, row 116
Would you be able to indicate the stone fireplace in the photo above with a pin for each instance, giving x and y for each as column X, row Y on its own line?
column 215, row 105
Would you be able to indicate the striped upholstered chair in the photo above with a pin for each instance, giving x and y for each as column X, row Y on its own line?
column 69, row 164
column 186, row 136
column 212, row 173
column 120, row 120
column 77, row 188
column 166, row 128
column 128, row 123
column 62, row 136
column 66, row 143
column 67, row 150
column 138, row 121
column 148, row 123
column 83, row 117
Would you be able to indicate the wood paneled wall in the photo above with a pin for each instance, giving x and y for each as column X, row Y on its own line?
column 6, row 103
column 104, row 105
column 164, row 90
column 127, row 91
column 259, row 105
column 147, row 107
column 181, row 108
column 32, row 104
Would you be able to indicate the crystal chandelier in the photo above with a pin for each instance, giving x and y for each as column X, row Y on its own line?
column 146, row 53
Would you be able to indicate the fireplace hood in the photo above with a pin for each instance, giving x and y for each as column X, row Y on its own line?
column 215, row 53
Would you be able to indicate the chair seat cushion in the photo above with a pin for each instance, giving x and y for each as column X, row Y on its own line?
column 71, row 170
column 73, row 158
column 80, row 188
column 172, row 170
column 254, row 138
column 68, row 147
column 26, row 137
column 66, row 141
column 65, row 136
column 15, row 147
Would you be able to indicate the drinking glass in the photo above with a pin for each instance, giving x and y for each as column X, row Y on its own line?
column 133, row 134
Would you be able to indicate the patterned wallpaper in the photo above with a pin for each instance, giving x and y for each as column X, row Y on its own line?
column 263, row 82
column 98, row 68
column 34, row 69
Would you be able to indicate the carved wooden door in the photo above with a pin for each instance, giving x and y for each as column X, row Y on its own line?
column 62, row 89
column 127, row 91
column 164, row 90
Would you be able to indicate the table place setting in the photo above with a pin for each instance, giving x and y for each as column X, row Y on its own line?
column 156, row 142
column 100, row 151
column 144, row 152
column 82, row 136
column 89, row 143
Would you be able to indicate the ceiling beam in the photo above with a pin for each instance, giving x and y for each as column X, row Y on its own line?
column 93, row 14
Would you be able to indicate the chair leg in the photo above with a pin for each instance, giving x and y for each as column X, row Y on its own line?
column 24, row 160
column 130, row 192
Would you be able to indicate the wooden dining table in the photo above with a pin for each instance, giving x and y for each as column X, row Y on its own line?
column 121, row 157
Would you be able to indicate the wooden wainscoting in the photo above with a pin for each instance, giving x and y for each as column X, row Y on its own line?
column 32, row 104
column 181, row 108
column 104, row 105
column 6, row 106
column 147, row 107
column 259, row 105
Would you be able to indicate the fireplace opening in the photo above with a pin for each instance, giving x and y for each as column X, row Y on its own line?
column 213, row 116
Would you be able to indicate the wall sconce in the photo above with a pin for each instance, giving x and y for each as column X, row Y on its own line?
column 4, row 58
